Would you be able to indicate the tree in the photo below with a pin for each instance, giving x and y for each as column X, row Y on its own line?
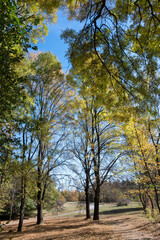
column 95, row 142
column 48, row 88
column 27, row 154
column 80, row 149
column 104, row 149
column 21, row 22
column 99, row 131
column 142, row 136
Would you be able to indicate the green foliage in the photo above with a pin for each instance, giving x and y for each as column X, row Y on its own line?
column 38, row 14
column 124, row 38
column 30, row 207
column 51, row 197
column 13, row 41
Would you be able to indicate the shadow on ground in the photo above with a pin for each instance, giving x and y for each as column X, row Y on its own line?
column 68, row 229
column 122, row 210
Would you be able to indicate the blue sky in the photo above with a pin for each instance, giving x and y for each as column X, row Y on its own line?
column 54, row 43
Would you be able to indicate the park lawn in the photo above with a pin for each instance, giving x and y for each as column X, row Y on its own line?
column 72, row 208
column 68, row 207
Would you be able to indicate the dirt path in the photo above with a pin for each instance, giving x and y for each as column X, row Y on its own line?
column 131, row 227
column 110, row 227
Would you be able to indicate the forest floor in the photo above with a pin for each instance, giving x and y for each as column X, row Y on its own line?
column 114, row 224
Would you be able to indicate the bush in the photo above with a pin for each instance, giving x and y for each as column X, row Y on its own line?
column 122, row 202
column 30, row 207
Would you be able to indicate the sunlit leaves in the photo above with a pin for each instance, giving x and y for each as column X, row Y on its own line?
column 142, row 138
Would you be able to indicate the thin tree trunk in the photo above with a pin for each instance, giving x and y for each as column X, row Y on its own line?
column 23, row 196
column 143, row 200
column 87, row 198
column 39, row 200
column 97, row 169
column 23, row 188
column 151, row 201
column 157, row 198
column 11, row 208
column 39, row 186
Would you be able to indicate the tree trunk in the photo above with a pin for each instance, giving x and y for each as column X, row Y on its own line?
column 87, row 198
column 96, row 203
column 143, row 198
column 151, row 201
column 39, row 204
column 11, row 207
column 39, row 186
column 97, row 163
column 157, row 198
column 21, row 217
column 143, row 201
column 23, row 189
column 39, row 213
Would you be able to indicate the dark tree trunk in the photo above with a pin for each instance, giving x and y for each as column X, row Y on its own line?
column 87, row 198
column 143, row 199
column 21, row 217
column 96, row 204
column 97, row 169
column 87, row 207
column 39, row 186
column 39, row 213
column 157, row 198
column 39, row 204
column 96, row 162
column 23, row 189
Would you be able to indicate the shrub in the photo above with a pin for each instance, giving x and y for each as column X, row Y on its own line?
column 122, row 202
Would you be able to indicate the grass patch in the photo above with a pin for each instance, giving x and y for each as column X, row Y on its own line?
column 111, row 208
column 70, row 208
column 74, row 209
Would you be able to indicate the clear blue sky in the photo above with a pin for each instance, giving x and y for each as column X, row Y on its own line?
column 53, row 41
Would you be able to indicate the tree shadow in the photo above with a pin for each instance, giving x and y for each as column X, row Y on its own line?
column 48, row 226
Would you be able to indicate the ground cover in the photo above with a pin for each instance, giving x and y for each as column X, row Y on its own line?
column 116, row 223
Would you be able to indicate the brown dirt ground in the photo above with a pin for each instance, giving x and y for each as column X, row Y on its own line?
column 110, row 227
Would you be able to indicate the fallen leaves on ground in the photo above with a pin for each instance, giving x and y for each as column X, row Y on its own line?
column 110, row 227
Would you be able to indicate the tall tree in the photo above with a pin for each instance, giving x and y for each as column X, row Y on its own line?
column 96, row 145
column 49, row 88
column 28, row 150
column 79, row 147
